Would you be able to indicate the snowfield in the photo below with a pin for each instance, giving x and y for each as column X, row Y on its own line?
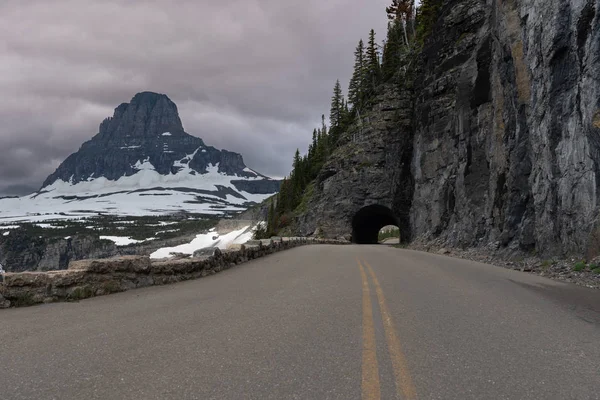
column 145, row 193
column 210, row 239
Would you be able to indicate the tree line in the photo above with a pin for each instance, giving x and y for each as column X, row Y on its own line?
column 374, row 64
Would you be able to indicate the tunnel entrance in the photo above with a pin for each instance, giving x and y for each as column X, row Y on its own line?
column 368, row 221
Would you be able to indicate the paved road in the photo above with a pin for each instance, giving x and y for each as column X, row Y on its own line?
column 316, row 322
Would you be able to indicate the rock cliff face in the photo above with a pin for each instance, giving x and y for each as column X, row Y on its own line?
column 371, row 168
column 506, row 150
column 149, row 128
column 22, row 252
column 500, row 145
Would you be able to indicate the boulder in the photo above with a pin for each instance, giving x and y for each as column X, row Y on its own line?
column 207, row 252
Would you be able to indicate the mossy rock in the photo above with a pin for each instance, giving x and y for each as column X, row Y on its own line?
column 80, row 292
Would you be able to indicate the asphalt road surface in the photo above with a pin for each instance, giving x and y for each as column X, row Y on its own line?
column 315, row 322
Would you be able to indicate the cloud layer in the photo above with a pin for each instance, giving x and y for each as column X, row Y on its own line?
column 251, row 76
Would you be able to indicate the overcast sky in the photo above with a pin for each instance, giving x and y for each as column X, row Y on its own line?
column 251, row 76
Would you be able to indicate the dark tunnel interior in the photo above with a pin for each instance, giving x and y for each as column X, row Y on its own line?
column 368, row 221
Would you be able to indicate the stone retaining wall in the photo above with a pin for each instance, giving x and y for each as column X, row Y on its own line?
column 89, row 278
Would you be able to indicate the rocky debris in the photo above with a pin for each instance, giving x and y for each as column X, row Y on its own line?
column 562, row 269
column 88, row 278
column 207, row 252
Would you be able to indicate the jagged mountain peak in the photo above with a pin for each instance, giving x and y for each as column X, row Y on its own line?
column 143, row 148
column 147, row 114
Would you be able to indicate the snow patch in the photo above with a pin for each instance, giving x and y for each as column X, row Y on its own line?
column 167, row 134
column 49, row 226
column 166, row 231
column 122, row 240
column 6, row 233
column 210, row 239
column 250, row 171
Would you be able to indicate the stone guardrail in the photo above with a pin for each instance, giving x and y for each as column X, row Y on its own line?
column 89, row 278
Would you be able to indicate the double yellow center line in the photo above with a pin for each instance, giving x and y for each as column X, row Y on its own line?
column 371, row 389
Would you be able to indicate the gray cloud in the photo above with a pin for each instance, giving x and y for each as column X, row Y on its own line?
column 251, row 76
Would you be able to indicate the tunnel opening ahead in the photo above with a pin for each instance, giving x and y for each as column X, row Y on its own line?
column 368, row 221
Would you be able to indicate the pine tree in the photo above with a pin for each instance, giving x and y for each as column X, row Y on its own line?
column 403, row 12
column 426, row 17
column 297, row 179
column 282, row 198
column 357, row 82
column 335, row 115
column 392, row 50
column 373, row 69
column 271, row 220
column 314, row 144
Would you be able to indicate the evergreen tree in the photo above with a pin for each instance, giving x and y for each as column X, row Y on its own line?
column 357, row 82
column 403, row 13
column 271, row 220
column 373, row 69
column 337, row 100
column 392, row 50
column 426, row 18
column 282, row 198
column 296, row 180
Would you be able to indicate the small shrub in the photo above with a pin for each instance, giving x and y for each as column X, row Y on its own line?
column 580, row 266
column 547, row 263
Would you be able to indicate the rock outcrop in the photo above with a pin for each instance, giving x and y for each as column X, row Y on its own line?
column 499, row 144
column 506, row 151
column 148, row 129
column 371, row 167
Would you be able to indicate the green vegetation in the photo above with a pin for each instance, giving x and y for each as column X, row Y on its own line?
column 579, row 266
column 391, row 233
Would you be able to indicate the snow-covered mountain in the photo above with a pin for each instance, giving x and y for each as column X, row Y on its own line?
column 142, row 162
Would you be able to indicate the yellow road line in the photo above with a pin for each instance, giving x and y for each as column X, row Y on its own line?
column 404, row 382
column 370, row 369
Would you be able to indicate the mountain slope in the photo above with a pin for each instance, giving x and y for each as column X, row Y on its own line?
column 143, row 162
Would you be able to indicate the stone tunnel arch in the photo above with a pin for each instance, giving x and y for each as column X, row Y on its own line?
column 369, row 220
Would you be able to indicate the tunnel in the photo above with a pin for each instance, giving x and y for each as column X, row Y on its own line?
column 367, row 222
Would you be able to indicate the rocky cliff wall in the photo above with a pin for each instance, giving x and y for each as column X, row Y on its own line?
column 498, row 145
column 371, row 167
column 506, row 145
